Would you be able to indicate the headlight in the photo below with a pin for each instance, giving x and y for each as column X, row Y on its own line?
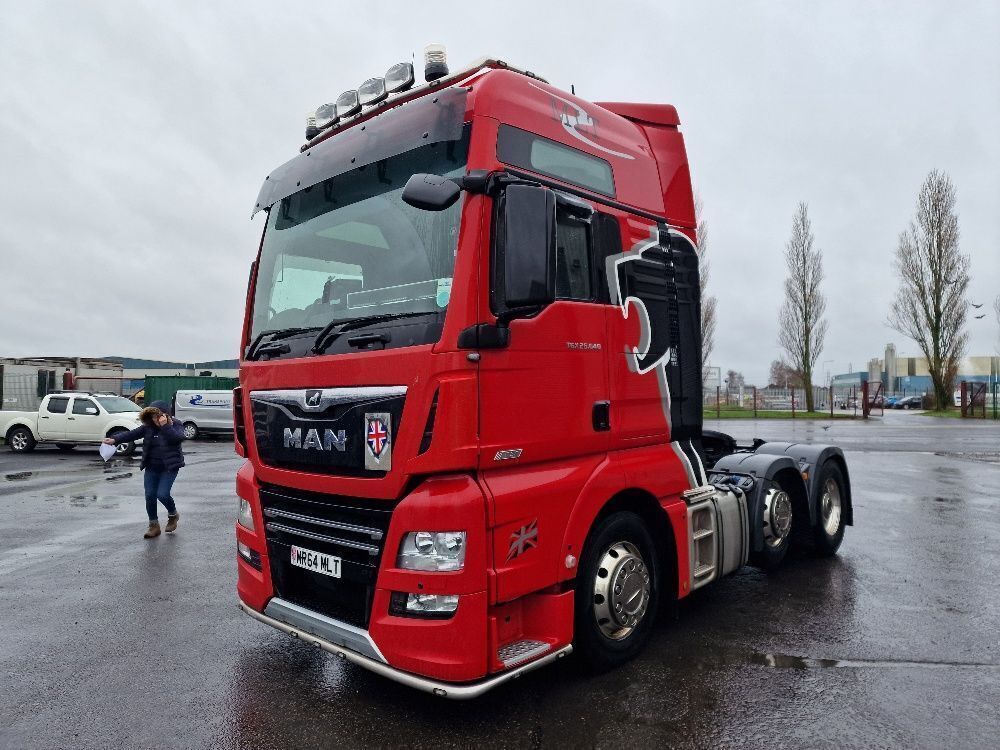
column 245, row 518
column 432, row 550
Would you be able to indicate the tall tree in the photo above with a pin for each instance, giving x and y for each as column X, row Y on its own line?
column 930, row 305
column 708, row 302
column 802, row 328
column 996, row 309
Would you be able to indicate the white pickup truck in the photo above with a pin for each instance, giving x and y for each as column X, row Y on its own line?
column 71, row 418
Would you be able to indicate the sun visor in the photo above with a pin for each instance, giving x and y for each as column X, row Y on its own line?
column 434, row 118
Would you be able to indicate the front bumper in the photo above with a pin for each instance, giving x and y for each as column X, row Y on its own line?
column 346, row 641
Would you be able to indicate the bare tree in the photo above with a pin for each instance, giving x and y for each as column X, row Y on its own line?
column 803, row 329
column 708, row 302
column 930, row 305
column 783, row 375
column 996, row 309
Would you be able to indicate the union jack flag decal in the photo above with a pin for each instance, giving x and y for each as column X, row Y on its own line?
column 378, row 436
column 523, row 539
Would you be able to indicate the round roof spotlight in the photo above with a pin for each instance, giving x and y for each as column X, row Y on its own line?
column 311, row 130
column 435, row 62
column 348, row 104
column 326, row 115
column 399, row 77
column 371, row 91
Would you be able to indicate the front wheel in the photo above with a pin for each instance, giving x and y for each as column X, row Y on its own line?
column 21, row 440
column 829, row 530
column 123, row 449
column 617, row 591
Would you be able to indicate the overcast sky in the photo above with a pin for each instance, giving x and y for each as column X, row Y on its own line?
column 134, row 138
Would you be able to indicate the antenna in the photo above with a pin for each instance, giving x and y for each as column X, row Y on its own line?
column 572, row 89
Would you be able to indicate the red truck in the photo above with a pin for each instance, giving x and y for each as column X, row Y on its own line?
column 471, row 390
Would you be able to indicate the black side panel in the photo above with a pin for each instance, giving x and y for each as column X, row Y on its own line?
column 684, row 369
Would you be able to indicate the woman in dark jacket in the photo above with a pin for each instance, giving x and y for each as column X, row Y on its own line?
column 162, row 458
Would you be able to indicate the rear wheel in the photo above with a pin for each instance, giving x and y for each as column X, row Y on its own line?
column 777, row 521
column 190, row 430
column 829, row 530
column 123, row 449
column 21, row 440
column 66, row 447
column 617, row 591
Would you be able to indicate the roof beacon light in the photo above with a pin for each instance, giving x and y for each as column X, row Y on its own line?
column 326, row 115
column 435, row 62
column 399, row 77
column 311, row 130
column 348, row 104
column 371, row 91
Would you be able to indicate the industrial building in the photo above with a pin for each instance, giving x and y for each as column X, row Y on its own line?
column 910, row 375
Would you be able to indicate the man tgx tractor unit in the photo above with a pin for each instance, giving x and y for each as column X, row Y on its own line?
column 471, row 393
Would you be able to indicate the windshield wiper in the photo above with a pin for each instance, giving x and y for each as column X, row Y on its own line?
column 331, row 332
column 274, row 335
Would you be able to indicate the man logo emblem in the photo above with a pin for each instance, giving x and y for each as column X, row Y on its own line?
column 314, row 397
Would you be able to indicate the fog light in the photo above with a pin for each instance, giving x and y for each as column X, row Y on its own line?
column 245, row 517
column 435, row 551
column 399, row 77
column 249, row 555
column 431, row 606
column 348, row 104
column 326, row 115
column 371, row 91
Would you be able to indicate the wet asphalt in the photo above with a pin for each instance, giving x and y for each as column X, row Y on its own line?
column 108, row 640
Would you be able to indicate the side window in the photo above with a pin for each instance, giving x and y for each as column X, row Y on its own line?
column 607, row 235
column 572, row 257
column 57, row 405
column 80, row 406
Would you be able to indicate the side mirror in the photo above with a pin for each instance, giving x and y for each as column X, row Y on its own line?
column 526, row 246
column 430, row 192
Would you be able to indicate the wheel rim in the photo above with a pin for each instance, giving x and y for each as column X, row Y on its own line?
column 190, row 431
column 19, row 441
column 777, row 517
column 830, row 507
column 621, row 590
column 122, row 447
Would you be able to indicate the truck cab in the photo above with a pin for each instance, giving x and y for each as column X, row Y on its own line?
column 471, row 388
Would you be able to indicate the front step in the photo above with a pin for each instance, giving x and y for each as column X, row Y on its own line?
column 519, row 652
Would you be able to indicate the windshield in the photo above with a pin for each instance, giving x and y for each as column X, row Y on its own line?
column 349, row 247
column 117, row 404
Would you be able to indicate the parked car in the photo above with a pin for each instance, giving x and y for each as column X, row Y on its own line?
column 910, row 402
column 71, row 418
column 890, row 401
column 204, row 412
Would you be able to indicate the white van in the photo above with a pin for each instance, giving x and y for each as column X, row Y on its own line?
column 203, row 412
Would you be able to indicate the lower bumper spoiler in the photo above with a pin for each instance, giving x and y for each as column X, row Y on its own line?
column 455, row 691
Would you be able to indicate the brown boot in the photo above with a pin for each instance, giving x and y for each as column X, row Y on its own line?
column 172, row 522
column 153, row 530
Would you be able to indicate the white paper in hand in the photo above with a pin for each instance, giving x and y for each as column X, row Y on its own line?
column 107, row 451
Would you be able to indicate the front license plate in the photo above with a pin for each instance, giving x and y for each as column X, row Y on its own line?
column 317, row 562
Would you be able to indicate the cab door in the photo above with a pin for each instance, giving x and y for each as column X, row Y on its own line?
column 52, row 418
column 84, row 420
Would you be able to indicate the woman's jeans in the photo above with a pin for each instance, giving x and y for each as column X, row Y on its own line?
column 158, row 484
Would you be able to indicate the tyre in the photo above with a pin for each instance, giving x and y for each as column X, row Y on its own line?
column 190, row 430
column 65, row 447
column 123, row 449
column 828, row 532
column 617, row 591
column 21, row 440
column 778, row 521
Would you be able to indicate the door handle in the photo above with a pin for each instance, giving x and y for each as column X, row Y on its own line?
column 44, row 417
column 70, row 417
column 601, row 416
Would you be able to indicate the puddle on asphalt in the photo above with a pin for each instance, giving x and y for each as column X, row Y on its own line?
column 980, row 457
column 19, row 476
column 788, row 661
